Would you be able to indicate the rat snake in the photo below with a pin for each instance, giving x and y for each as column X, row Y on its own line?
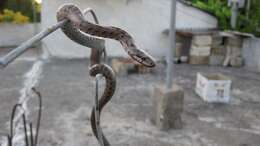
column 86, row 33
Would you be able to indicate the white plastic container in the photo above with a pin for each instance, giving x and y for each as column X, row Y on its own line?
column 213, row 88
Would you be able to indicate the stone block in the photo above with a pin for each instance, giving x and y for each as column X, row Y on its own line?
column 216, row 60
column 168, row 107
column 202, row 40
column 200, row 50
column 199, row 60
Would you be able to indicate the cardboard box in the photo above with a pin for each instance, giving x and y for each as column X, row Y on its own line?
column 213, row 88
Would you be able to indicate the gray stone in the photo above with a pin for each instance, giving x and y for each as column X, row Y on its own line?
column 168, row 107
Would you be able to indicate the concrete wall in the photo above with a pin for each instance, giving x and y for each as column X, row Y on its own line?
column 143, row 19
column 15, row 34
column 251, row 53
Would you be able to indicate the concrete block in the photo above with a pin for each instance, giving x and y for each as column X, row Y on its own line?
column 200, row 50
column 216, row 60
column 199, row 60
column 168, row 107
column 202, row 40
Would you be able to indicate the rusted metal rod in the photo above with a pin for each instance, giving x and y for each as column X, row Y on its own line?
column 11, row 56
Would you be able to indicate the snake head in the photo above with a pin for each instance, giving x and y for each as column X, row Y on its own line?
column 71, row 12
column 142, row 57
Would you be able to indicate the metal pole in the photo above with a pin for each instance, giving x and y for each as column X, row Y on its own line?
column 97, row 112
column 234, row 14
column 248, row 9
column 171, row 51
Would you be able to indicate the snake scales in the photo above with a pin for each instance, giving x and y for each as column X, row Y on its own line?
column 77, row 28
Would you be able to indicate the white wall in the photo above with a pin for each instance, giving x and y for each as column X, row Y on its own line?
column 15, row 34
column 143, row 19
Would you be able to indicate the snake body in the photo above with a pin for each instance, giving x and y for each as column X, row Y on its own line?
column 109, row 75
column 76, row 28
column 74, row 14
column 77, row 36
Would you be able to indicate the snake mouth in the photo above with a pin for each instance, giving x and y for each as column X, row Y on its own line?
column 146, row 61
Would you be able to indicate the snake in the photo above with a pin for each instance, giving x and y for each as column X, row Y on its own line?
column 88, row 34
column 72, row 13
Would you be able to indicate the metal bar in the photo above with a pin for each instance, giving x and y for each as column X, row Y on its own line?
column 25, row 130
column 39, row 116
column 97, row 112
column 31, row 134
column 248, row 8
column 170, row 53
column 92, row 13
column 12, row 119
column 24, row 46
column 89, row 10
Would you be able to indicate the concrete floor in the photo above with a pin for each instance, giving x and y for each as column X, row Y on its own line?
column 68, row 97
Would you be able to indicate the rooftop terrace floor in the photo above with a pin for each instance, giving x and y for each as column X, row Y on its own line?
column 68, row 96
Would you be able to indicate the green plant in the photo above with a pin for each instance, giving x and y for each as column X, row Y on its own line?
column 218, row 8
column 27, row 7
column 247, row 21
column 13, row 17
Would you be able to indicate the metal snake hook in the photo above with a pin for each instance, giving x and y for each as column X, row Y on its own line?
column 96, row 57
column 97, row 110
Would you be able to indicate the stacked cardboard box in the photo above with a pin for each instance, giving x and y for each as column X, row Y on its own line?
column 200, row 49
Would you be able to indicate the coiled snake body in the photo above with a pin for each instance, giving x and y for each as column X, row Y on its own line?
column 76, row 27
